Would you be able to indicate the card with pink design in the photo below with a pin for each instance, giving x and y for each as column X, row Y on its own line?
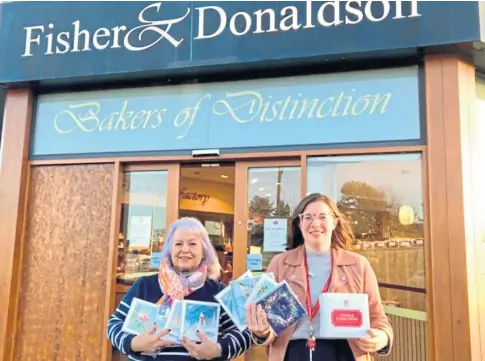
column 141, row 317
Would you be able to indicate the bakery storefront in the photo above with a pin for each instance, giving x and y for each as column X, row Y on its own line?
column 115, row 125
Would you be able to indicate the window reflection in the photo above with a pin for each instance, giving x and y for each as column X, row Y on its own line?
column 142, row 224
column 273, row 193
column 382, row 197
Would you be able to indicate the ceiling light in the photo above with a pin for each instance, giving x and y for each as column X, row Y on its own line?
column 268, row 194
column 261, row 189
column 254, row 180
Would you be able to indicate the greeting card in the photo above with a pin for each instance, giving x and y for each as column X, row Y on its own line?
column 226, row 300
column 174, row 322
column 141, row 317
column 265, row 285
column 200, row 316
column 241, row 290
column 163, row 314
column 344, row 315
column 282, row 308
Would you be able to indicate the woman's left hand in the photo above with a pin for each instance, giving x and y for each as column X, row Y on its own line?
column 376, row 341
column 206, row 350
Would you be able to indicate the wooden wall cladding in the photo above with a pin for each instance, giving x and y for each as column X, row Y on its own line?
column 65, row 264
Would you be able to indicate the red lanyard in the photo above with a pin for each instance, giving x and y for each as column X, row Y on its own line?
column 313, row 311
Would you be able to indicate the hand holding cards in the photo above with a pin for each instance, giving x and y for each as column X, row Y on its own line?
column 183, row 318
column 277, row 300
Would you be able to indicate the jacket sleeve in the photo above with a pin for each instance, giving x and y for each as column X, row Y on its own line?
column 378, row 318
column 119, row 339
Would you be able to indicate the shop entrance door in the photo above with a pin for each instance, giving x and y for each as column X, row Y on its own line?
column 266, row 194
column 207, row 193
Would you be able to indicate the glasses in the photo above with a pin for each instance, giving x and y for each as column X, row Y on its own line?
column 309, row 218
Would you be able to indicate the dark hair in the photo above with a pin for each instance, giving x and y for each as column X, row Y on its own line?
column 342, row 236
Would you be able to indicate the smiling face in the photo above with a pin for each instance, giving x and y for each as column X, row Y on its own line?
column 187, row 251
column 317, row 222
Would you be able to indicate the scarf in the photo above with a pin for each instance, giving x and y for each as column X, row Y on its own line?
column 177, row 286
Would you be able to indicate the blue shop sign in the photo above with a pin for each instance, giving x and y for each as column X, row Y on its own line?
column 353, row 107
column 59, row 40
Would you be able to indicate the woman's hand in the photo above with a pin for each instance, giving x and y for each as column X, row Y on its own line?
column 257, row 322
column 376, row 341
column 206, row 350
column 150, row 341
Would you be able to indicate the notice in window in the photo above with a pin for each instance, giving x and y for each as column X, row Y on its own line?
column 140, row 231
column 275, row 233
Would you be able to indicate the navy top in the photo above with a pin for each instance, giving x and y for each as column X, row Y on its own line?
column 233, row 342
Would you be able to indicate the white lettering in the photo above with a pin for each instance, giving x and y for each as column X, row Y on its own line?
column 336, row 14
column 212, row 22
column 222, row 22
column 353, row 11
column 49, row 41
column 370, row 15
column 259, row 21
column 154, row 27
column 77, row 34
column 98, row 34
column 309, row 12
column 247, row 23
column 63, row 46
column 29, row 40
column 293, row 17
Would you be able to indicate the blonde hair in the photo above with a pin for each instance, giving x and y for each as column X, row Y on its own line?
column 195, row 227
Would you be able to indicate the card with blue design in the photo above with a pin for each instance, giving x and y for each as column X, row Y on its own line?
column 241, row 290
column 235, row 310
column 174, row 322
column 163, row 315
column 265, row 285
column 141, row 317
column 282, row 308
column 200, row 316
column 226, row 300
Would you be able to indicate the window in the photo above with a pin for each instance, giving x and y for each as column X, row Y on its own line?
column 382, row 198
column 142, row 224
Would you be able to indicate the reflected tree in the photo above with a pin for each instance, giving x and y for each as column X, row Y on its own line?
column 367, row 209
column 261, row 207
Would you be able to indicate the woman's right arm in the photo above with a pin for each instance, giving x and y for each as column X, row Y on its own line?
column 119, row 339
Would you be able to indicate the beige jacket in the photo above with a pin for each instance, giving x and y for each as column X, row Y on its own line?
column 351, row 273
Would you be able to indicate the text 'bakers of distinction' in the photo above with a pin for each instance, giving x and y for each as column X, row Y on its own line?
column 242, row 107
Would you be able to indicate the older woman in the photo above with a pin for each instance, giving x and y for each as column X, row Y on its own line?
column 189, row 270
column 318, row 262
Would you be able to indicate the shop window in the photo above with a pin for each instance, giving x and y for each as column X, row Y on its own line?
column 382, row 198
column 142, row 224
column 273, row 194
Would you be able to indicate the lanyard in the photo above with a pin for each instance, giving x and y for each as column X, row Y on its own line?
column 313, row 311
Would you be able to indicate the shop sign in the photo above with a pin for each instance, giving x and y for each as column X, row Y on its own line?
column 152, row 27
column 194, row 196
column 65, row 42
column 343, row 108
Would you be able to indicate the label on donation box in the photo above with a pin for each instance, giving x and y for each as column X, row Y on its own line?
column 344, row 315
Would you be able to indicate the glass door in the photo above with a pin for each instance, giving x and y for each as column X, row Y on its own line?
column 266, row 194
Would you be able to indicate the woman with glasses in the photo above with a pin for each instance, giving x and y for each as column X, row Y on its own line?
column 318, row 262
